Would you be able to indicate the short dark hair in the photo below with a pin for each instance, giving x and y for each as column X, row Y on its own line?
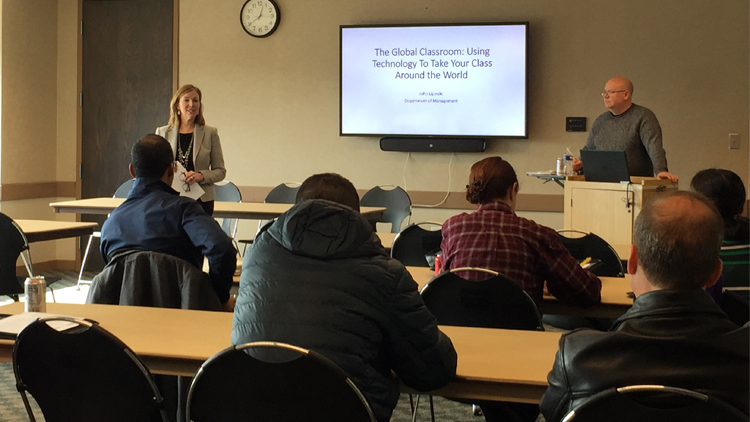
column 329, row 186
column 724, row 188
column 489, row 180
column 151, row 156
column 678, row 246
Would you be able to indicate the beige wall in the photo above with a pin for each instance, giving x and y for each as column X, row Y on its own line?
column 275, row 100
column 29, row 91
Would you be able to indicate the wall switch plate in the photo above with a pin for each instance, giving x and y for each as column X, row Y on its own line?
column 734, row 141
column 575, row 124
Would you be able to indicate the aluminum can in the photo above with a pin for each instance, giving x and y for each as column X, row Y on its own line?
column 559, row 167
column 438, row 264
column 35, row 289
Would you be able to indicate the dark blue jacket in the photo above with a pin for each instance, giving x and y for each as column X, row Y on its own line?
column 155, row 218
column 320, row 279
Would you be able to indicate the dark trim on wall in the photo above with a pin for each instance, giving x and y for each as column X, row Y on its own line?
column 528, row 202
column 16, row 191
column 428, row 199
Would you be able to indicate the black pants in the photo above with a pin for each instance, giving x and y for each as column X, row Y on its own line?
column 207, row 206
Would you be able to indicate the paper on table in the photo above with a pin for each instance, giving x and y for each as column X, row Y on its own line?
column 193, row 191
column 12, row 325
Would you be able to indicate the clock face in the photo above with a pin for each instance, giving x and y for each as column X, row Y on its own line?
column 260, row 18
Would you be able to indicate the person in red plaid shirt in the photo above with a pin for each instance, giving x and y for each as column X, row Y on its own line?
column 494, row 237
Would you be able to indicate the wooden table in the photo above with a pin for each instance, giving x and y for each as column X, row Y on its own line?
column 492, row 364
column 41, row 230
column 222, row 209
column 387, row 240
column 615, row 300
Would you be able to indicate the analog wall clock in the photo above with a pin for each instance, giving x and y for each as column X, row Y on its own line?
column 260, row 18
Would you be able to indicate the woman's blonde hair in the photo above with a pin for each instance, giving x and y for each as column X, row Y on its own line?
column 174, row 110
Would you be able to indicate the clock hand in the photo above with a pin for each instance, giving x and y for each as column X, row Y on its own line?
column 259, row 15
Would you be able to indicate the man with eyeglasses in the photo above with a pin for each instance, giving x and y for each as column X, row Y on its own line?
column 631, row 128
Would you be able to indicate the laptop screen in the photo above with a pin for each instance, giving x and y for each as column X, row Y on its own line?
column 605, row 166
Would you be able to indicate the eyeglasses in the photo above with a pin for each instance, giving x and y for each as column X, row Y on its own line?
column 185, row 185
column 605, row 93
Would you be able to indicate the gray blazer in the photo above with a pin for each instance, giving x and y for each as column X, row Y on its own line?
column 207, row 155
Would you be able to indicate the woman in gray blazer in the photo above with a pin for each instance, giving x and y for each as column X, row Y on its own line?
column 196, row 146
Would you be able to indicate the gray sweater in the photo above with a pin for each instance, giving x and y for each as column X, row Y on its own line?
column 637, row 132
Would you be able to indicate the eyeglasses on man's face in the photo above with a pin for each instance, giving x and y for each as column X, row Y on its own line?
column 610, row 92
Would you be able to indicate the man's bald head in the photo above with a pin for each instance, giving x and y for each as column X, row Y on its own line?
column 677, row 238
column 618, row 93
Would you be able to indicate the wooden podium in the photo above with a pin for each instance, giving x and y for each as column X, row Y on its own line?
column 609, row 209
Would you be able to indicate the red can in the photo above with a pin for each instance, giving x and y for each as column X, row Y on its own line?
column 438, row 264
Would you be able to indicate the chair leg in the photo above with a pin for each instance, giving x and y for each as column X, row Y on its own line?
column 51, row 290
column 83, row 263
column 27, row 405
column 415, row 407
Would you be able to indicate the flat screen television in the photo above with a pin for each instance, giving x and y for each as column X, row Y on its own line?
column 434, row 80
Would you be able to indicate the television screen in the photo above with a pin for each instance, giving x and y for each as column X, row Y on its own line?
column 453, row 80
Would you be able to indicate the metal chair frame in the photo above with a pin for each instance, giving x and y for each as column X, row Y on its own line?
column 121, row 192
column 279, row 374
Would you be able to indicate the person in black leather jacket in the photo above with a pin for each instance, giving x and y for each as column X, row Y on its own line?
column 674, row 334
column 319, row 278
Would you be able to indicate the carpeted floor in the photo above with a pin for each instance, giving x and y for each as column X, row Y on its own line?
column 12, row 408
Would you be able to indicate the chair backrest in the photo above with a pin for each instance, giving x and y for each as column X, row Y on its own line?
column 83, row 373
column 497, row 302
column 396, row 202
column 267, row 381
column 653, row 403
column 584, row 245
column 284, row 193
column 412, row 244
column 228, row 192
column 124, row 189
column 145, row 278
column 13, row 244
column 736, row 259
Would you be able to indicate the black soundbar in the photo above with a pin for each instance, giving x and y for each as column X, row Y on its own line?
column 409, row 144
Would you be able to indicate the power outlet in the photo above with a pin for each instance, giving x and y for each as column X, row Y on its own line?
column 734, row 141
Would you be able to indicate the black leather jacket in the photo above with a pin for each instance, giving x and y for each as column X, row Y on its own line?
column 678, row 338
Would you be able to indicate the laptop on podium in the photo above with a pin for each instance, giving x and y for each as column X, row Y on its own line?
column 605, row 166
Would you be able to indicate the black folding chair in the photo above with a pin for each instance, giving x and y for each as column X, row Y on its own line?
column 78, row 371
column 284, row 193
column 414, row 244
column 496, row 302
column 396, row 202
column 588, row 245
column 653, row 403
column 266, row 381
column 13, row 245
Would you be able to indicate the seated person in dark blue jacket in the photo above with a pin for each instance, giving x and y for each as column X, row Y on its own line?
column 675, row 334
column 156, row 218
column 319, row 278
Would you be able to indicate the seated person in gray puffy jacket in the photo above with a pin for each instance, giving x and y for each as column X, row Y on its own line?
column 319, row 278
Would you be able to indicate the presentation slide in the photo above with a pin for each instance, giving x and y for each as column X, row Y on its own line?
column 462, row 80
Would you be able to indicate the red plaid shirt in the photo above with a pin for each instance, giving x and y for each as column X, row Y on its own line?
column 494, row 237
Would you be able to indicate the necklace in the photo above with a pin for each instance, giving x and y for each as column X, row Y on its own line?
column 183, row 156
